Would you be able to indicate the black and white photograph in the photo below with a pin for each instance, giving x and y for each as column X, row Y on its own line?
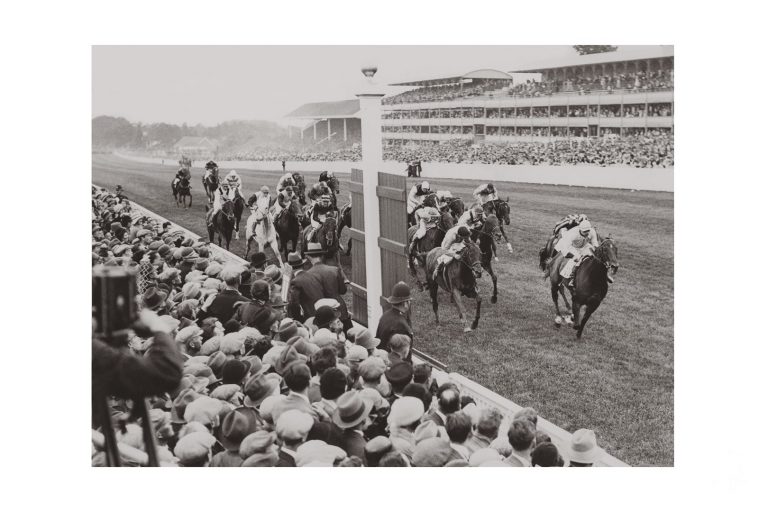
column 383, row 256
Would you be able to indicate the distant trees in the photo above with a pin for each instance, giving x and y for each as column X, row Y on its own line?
column 117, row 132
column 586, row 49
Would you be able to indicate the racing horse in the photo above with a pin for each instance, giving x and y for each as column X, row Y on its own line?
column 211, row 183
column 431, row 239
column 259, row 228
column 458, row 277
column 500, row 208
column 590, row 283
column 455, row 206
column 345, row 219
column 287, row 223
column 222, row 223
column 239, row 207
column 300, row 189
column 333, row 184
column 486, row 238
column 181, row 191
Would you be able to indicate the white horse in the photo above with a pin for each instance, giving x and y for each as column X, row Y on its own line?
column 260, row 229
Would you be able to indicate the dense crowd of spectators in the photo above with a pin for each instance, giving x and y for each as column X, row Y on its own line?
column 653, row 149
column 446, row 92
column 639, row 81
column 236, row 377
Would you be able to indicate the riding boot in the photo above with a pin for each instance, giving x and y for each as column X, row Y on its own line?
column 610, row 279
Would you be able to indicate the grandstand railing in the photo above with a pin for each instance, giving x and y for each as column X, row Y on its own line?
column 482, row 396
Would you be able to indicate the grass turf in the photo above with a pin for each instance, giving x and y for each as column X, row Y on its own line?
column 618, row 380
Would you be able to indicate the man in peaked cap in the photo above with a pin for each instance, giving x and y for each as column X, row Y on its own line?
column 396, row 319
column 292, row 429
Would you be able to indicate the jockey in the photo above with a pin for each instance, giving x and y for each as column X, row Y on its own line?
column 318, row 213
column 285, row 181
column 442, row 198
column 209, row 168
column 569, row 222
column 416, row 196
column 235, row 184
column 576, row 243
column 427, row 218
column 472, row 218
column 454, row 242
column 260, row 206
column 263, row 200
column 177, row 178
column 284, row 197
column 485, row 192
column 326, row 176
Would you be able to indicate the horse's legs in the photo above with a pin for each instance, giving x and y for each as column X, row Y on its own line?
column 248, row 247
column 583, row 320
column 555, row 291
column 494, row 279
column 462, row 314
column 479, row 300
column 565, row 297
column 433, row 295
column 504, row 234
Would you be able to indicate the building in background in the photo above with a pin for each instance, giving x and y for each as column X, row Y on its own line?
column 196, row 147
column 335, row 122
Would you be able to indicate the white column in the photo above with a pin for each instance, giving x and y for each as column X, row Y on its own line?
column 345, row 129
column 329, row 129
column 370, row 127
column 314, row 128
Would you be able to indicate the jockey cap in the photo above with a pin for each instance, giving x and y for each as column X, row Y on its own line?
column 424, row 185
column 477, row 210
column 585, row 226
column 462, row 232
column 232, row 174
column 265, row 189
column 330, row 174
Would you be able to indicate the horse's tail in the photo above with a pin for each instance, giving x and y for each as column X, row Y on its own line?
column 546, row 266
column 543, row 258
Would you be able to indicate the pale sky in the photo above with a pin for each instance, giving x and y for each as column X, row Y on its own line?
column 211, row 84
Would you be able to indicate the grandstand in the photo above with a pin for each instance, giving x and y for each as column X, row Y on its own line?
column 329, row 121
column 620, row 93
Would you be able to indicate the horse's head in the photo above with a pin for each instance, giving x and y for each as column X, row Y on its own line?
column 491, row 227
column 430, row 200
column 471, row 258
column 228, row 208
column 502, row 210
column 328, row 230
column 333, row 182
column 294, row 208
column 608, row 254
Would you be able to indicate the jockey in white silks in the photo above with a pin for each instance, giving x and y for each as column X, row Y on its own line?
column 455, row 240
column 416, row 196
column 261, row 209
column 442, row 197
column 485, row 192
column 427, row 218
column 568, row 222
column 577, row 243
column 229, row 188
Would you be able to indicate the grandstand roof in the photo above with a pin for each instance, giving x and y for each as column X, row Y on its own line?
column 622, row 54
column 327, row 109
column 481, row 74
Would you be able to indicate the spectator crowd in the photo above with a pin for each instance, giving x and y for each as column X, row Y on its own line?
column 254, row 365
column 653, row 149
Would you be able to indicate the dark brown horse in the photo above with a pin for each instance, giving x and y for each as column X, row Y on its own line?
column 486, row 238
column 456, row 206
column 211, row 183
column 501, row 209
column 223, row 223
column 239, row 207
column 181, row 192
column 327, row 236
column 458, row 277
column 288, row 227
column 345, row 219
column 300, row 189
column 590, row 283
column 432, row 238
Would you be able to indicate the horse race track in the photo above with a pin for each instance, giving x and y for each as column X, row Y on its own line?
column 618, row 380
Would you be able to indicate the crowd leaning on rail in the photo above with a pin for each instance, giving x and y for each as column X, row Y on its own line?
column 235, row 372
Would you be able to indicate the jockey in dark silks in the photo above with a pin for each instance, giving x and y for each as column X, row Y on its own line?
column 328, row 178
column 209, row 168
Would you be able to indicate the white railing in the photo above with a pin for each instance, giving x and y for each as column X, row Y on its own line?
column 484, row 397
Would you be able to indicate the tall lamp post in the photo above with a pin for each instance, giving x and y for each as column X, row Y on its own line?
column 370, row 126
